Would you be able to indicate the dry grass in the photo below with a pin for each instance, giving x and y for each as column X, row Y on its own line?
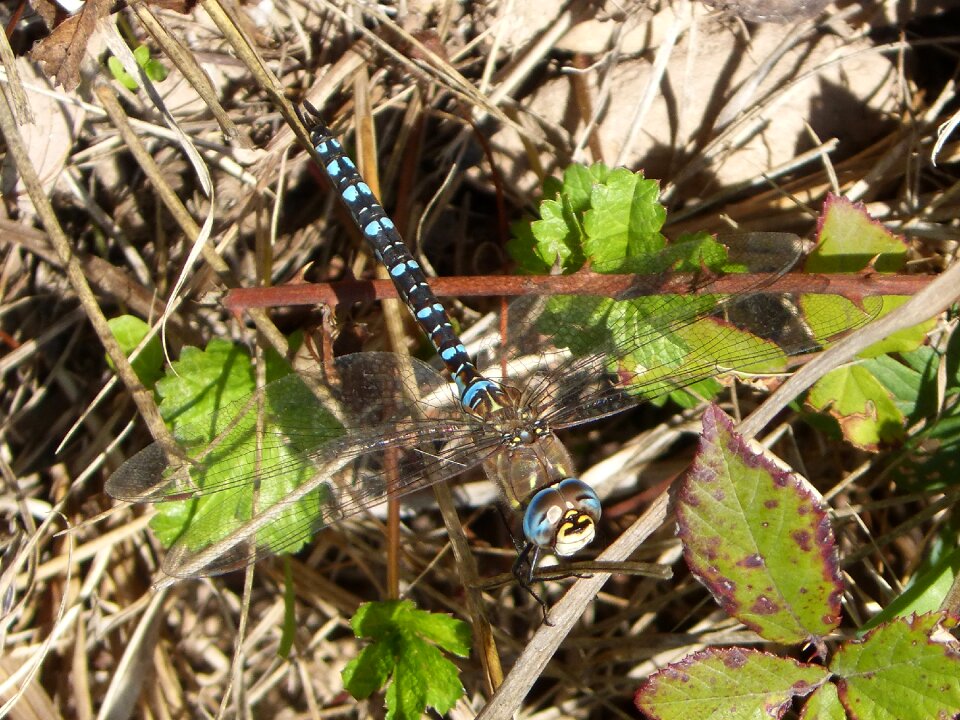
column 472, row 105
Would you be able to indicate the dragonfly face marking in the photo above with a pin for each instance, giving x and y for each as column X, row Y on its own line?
column 562, row 517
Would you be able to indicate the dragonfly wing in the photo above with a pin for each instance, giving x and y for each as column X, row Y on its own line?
column 300, row 454
column 237, row 527
column 582, row 358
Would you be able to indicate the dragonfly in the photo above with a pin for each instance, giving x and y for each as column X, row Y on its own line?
column 266, row 472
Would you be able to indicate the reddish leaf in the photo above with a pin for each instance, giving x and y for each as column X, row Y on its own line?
column 724, row 684
column 759, row 538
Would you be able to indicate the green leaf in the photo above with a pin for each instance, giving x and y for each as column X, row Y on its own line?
column 210, row 395
column 850, row 240
column 909, row 669
column 202, row 381
column 194, row 390
column 727, row 684
column 864, row 408
column 692, row 252
column 129, row 332
column 624, row 219
column 405, row 653
column 156, row 70
column 578, row 182
column 910, row 380
column 759, row 538
column 120, row 74
column 141, row 54
column 371, row 669
column 822, row 311
column 597, row 213
column 556, row 238
column 925, row 593
column 823, row 704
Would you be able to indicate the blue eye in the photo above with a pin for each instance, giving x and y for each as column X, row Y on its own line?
column 562, row 517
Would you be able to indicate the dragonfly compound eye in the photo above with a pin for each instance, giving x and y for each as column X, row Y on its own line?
column 562, row 517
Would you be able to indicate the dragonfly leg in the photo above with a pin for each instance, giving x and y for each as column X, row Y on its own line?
column 530, row 556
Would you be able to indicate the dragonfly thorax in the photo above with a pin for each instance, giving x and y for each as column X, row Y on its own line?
column 501, row 409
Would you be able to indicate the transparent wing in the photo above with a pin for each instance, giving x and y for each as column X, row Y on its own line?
column 264, row 474
column 580, row 358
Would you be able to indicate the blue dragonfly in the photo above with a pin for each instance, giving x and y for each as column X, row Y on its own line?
column 265, row 472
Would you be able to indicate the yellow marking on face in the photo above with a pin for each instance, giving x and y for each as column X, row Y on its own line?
column 574, row 532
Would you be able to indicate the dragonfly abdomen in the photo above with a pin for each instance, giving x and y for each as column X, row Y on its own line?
column 379, row 231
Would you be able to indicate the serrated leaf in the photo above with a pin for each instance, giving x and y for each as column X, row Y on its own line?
column 206, row 395
column 823, row 704
column 577, row 186
column 864, row 408
column 422, row 678
column 402, row 653
column 129, row 332
column 850, row 240
column 900, row 672
column 557, row 238
column 597, row 212
column 727, row 684
column 759, row 538
column 698, row 251
column 821, row 311
column 376, row 620
column 655, row 346
column 447, row 632
column 202, row 381
column 370, row 670
column 624, row 219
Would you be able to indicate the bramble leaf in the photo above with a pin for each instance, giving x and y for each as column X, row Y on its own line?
column 849, row 240
column 823, row 704
column 908, row 669
column 867, row 414
column 727, row 684
column 759, row 538
column 664, row 345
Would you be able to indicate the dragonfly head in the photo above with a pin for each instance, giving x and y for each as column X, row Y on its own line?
column 562, row 517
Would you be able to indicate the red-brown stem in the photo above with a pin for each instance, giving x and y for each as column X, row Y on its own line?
column 852, row 286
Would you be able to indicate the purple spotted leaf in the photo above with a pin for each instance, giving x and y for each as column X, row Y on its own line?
column 758, row 537
column 726, row 684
